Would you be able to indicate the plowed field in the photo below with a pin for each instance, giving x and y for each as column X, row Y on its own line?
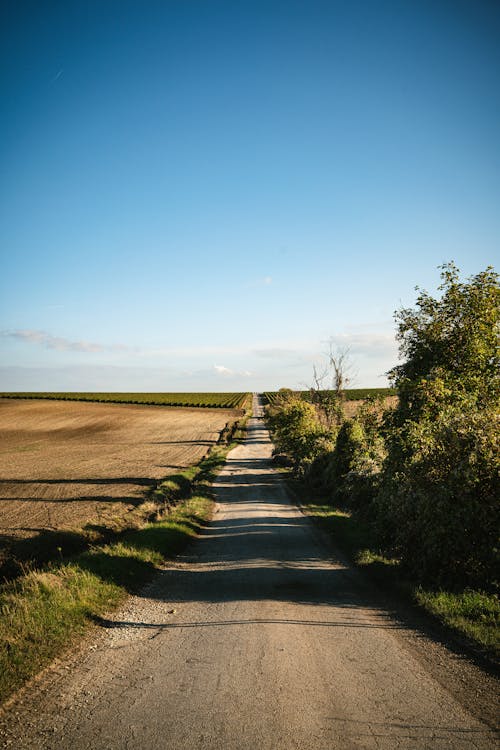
column 63, row 464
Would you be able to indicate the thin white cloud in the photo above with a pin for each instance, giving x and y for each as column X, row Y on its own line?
column 255, row 349
column 59, row 343
column 367, row 344
column 189, row 351
column 226, row 372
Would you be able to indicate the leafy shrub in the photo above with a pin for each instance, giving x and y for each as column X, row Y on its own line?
column 297, row 431
column 350, row 471
column 437, row 504
column 440, row 505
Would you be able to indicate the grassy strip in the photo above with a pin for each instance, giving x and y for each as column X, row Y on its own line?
column 473, row 614
column 43, row 611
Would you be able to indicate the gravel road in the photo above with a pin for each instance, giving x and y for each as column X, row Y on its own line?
column 256, row 639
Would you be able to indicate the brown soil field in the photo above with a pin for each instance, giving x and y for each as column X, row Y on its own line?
column 64, row 464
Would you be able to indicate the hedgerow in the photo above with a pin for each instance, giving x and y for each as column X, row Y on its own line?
column 426, row 472
column 438, row 499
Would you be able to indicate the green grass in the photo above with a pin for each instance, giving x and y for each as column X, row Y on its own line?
column 207, row 400
column 40, row 613
column 470, row 613
column 43, row 611
column 352, row 536
column 475, row 614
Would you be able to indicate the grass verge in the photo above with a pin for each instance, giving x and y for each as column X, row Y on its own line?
column 43, row 611
column 473, row 615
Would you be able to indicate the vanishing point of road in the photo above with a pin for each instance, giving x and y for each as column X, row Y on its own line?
column 259, row 638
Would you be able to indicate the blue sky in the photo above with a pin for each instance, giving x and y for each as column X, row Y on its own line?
column 198, row 195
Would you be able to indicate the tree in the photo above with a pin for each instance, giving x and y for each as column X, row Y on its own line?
column 328, row 390
column 439, row 498
column 450, row 345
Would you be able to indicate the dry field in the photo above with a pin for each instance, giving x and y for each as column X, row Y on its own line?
column 63, row 464
column 351, row 407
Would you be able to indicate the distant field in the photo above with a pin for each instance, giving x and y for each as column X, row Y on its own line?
column 351, row 394
column 63, row 464
column 207, row 400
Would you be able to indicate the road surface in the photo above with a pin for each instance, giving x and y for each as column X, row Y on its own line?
column 255, row 640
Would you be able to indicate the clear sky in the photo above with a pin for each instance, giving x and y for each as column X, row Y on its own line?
column 197, row 195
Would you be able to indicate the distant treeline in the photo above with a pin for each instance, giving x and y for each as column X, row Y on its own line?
column 207, row 400
column 350, row 394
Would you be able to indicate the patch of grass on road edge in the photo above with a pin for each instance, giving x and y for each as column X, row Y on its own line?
column 45, row 610
column 472, row 614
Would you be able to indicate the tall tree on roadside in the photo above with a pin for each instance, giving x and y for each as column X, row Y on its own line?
column 450, row 344
column 439, row 498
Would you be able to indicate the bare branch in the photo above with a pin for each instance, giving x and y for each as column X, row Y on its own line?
column 329, row 383
column 340, row 365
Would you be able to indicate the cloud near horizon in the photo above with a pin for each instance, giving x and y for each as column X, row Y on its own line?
column 228, row 373
column 59, row 343
column 367, row 344
column 255, row 366
column 62, row 344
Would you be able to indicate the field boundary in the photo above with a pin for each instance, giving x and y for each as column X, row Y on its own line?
column 240, row 401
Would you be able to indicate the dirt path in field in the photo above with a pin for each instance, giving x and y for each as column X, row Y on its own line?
column 256, row 640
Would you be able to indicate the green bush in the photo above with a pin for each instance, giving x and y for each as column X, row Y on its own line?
column 338, row 466
column 349, row 473
column 297, row 432
column 438, row 501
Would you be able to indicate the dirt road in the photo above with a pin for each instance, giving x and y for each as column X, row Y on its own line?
column 256, row 640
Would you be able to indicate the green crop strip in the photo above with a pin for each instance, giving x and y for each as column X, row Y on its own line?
column 204, row 400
